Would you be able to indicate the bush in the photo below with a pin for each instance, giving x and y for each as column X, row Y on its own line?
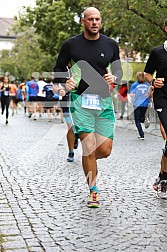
column 137, row 67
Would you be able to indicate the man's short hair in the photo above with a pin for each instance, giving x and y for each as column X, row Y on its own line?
column 165, row 22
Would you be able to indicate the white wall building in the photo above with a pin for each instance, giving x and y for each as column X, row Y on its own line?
column 7, row 37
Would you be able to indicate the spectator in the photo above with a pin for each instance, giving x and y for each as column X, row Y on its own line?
column 140, row 92
column 122, row 97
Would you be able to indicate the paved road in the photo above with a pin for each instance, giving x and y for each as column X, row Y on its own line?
column 43, row 198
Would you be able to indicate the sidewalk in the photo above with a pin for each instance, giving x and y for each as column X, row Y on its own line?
column 153, row 129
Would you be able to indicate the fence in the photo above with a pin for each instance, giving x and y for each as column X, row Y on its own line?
column 129, row 114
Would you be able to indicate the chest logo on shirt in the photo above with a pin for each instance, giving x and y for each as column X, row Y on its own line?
column 102, row 54
column 33, row 86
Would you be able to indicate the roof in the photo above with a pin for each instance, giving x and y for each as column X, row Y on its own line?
column 6, row 26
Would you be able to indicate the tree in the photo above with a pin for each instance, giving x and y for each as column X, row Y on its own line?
column 25, row 58
column 53, row 21
column 140, row 23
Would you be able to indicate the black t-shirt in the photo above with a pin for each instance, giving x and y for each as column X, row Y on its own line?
column 6, row 92
column 48, row 89
column 91, row 58
column 157, row 62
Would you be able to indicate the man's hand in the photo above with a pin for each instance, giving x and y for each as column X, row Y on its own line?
column 159, row 82
column 70, row 84
column 55, row 88
column 108, row 77
column 62, row 92
column 150, row 92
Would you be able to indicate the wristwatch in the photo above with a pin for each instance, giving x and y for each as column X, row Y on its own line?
column 152, row 82
column 114, row 79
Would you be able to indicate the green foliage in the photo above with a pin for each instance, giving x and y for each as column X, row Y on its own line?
column 130, row 69
column 25, row 58
column 53, row 21
column 1, row 242
column 140, row 24
column 137, row 67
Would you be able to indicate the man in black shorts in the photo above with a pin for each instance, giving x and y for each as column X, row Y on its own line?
column 95, row 65
column 72, row 139
column 157, row 62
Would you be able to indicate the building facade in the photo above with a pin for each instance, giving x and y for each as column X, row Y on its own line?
column 7, row 37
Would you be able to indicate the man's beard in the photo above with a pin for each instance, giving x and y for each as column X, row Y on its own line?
column 92, row 33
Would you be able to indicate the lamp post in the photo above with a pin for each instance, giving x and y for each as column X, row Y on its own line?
column 127, row 62
column 127, row 73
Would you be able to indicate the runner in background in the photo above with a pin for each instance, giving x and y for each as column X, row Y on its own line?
column 5, row 98
column 13, row 97
column 41, row 95
column 72, row 140
column 157, row 63
column 32, row 90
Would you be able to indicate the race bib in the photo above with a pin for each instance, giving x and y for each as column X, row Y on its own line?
column 91, row 101
column 6, row 93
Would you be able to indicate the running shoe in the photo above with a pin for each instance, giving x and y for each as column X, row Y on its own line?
column 162, row 190
column 156, row 184
column 141, row 138
column 164, row 186
column 120, row 118
column 70, row 157
column 30, row 114
column 93, row 201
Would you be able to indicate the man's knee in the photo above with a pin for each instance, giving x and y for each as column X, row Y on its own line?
column 106, row 153
column 89, row 149
column 103, row 152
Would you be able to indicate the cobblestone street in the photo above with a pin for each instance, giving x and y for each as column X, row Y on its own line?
column 43, row 197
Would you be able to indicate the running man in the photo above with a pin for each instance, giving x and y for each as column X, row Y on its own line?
column 157, row 62
column 72, row 140
column 41, row 95
column 95, row 64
